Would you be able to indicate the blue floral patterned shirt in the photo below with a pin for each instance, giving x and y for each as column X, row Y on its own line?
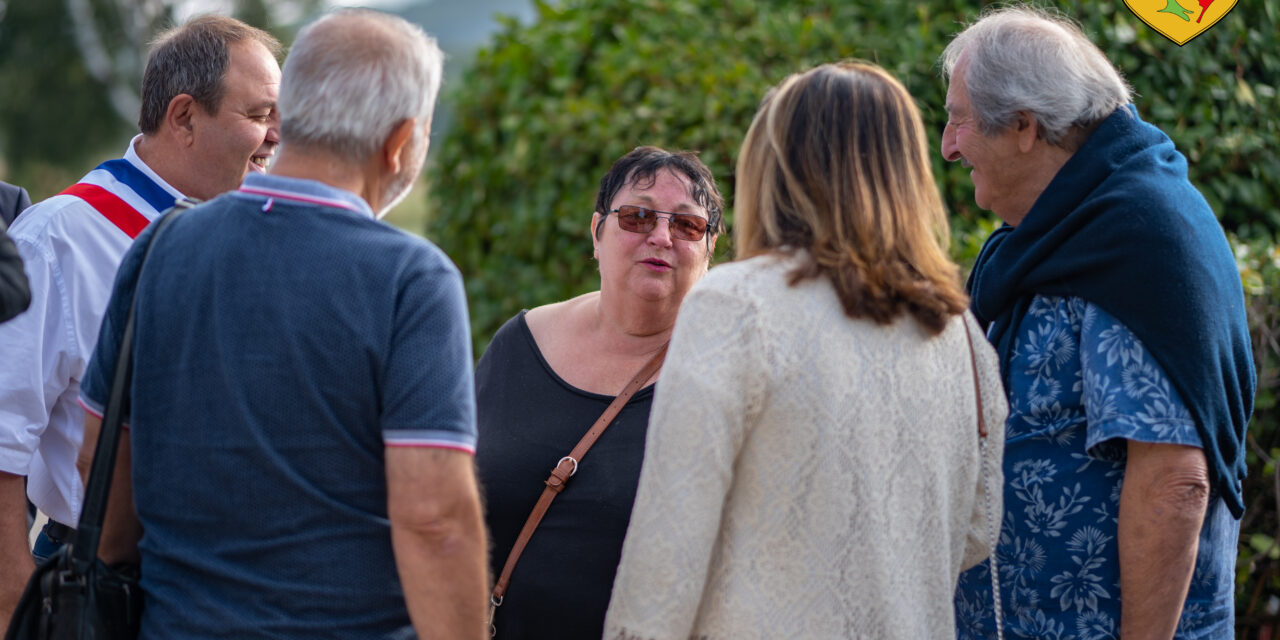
column 1080, row 384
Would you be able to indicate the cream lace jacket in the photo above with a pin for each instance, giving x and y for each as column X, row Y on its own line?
column 806, row 475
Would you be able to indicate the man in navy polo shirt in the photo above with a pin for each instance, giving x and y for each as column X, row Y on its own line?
column 303, row 417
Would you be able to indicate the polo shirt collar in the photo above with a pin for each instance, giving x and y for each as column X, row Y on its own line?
column 306, row 191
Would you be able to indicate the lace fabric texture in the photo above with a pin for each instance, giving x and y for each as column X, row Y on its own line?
column 805, row 475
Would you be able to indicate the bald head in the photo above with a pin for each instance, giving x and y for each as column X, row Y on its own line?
column 352, row 77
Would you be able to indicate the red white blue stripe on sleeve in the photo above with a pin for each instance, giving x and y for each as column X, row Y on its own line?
column 96, row 410
column 430, row 438
column 90, row 406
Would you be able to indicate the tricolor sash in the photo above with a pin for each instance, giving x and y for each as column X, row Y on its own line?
column 120, row 213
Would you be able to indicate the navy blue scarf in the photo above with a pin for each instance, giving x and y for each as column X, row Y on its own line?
column 1121, row 226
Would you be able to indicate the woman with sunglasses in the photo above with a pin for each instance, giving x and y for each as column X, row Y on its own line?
column 813, row 466
column 550, row 373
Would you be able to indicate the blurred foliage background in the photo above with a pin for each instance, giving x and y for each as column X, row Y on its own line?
column 566, row 87
column 70, row 72
column 548, row 106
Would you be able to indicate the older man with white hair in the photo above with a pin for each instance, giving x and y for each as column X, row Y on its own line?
column 1117, row 311
column 302, row 416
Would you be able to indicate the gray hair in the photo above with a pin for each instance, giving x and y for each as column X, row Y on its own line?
column 1028, row 59
column 353, row 76
column 193, row 59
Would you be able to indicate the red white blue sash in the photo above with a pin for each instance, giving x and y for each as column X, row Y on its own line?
column 114, row 208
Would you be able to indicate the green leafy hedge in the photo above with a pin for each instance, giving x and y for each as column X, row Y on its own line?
column 547, row 107
column 545, row 111
column 1258, row 563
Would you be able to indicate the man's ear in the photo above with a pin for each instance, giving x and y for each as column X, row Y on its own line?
column 395, row 145
column 178, row 118
column 1028, row 130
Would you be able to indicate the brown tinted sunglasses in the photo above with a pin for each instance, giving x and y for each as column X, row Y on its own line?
column 683, row 226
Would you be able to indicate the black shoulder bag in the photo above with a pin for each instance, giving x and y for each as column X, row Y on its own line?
column 72, row 595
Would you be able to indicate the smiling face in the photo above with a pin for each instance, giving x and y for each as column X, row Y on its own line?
column 243, row 134
column 651, row 266
column 998, row 170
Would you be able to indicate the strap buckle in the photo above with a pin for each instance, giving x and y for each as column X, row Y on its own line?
column 570, row 459
column 495, row 601
column 558, row 478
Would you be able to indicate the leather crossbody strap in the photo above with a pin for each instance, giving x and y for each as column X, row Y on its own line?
column 84, row 547
column 564, row 469
column 992, row 519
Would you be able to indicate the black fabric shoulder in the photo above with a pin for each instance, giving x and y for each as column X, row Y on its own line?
column 15, row 293
column 528, row 418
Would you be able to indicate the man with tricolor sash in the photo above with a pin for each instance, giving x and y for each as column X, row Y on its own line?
column 208, row 118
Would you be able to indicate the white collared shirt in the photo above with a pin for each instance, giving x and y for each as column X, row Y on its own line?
column 70, row 253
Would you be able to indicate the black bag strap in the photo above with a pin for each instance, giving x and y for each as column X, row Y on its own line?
column 84, row 547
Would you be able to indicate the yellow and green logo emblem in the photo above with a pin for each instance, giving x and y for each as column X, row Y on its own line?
column 1175, row 21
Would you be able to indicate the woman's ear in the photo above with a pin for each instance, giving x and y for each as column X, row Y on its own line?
column 595, row 242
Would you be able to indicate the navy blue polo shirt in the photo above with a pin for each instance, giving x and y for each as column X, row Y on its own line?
column 284, row 338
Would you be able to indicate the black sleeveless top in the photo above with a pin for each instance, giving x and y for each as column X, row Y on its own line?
column 528, row 418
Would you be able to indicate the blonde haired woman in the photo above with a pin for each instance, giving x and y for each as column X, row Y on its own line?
column 812, row 468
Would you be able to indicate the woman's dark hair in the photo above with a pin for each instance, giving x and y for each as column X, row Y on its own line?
column 640, row 168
